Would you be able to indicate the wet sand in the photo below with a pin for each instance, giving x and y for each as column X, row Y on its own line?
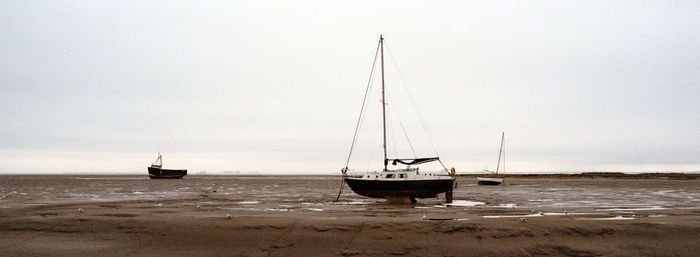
column 296, row 216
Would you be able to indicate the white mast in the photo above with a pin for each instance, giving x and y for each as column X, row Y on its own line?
column 381, row 45
column 500, row 151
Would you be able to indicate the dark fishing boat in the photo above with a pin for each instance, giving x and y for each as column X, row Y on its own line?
column 398, row 185
column 494, row 178
column 156, row 170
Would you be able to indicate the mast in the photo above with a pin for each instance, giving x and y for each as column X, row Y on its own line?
column 381, row 45
column 500, row 151
column 159, row 160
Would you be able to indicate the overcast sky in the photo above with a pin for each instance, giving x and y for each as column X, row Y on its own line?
column 277, row 86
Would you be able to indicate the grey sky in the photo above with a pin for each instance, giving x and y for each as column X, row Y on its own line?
column 276, row 86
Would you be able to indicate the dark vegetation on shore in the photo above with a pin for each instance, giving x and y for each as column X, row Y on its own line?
column 592, row 175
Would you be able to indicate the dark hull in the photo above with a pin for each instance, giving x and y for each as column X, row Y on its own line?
column 156, row 173
column 400, row 188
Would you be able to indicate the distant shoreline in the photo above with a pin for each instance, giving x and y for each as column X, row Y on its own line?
column 582, row 175
column 592, row 175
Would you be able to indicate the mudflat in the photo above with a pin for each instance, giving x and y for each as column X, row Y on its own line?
column 69, row 215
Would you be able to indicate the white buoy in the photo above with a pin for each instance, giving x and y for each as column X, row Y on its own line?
column 228, row 216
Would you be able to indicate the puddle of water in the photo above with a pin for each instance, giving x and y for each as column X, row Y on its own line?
column 276, row 209
column 539, row 214
column 440, row 219
column 464, row 203
column 350, row 203
column 512, row 216
column 657, row 216
column 248, row 202
column 608, row 218
column 241, row 209
column 554, row 214
column 650, row 208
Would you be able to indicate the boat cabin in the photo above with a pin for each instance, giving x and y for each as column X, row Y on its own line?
column 407, row 173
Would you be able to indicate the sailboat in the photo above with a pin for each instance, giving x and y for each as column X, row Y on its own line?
column 495, row 178
column 403, row 184
column 156, row 170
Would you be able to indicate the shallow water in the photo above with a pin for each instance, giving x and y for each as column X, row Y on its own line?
column 595, row 199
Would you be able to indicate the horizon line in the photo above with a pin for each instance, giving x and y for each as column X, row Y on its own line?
column 245, row 173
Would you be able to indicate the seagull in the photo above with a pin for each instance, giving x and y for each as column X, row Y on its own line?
column 566, row 212
column 523, row 219
column 423, row 218
column 199, row 207
column 228, row 216
column 81, row 210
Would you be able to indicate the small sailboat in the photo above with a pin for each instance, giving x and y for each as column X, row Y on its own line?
column 403, row 184
column 494, row 178
column 156, row 170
